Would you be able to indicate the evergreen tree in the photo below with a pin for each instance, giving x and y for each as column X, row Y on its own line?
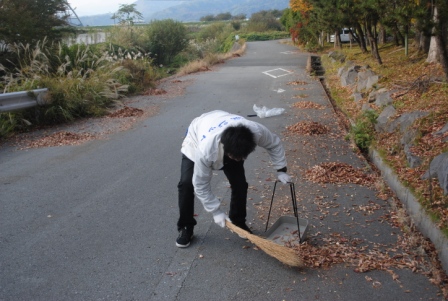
column 28, row 21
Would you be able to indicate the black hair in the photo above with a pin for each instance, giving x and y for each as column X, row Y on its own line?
column 238, row 141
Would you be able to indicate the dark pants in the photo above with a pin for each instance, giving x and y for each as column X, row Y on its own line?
column 234, row 171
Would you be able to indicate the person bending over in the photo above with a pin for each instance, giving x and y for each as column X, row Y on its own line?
column 220, row 140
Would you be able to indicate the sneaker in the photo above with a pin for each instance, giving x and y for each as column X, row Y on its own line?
column 185, row 237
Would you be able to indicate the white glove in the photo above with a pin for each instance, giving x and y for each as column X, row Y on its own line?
column 220, row 218
column 283, row 177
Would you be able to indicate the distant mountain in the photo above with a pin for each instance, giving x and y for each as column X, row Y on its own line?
column 193, row 10
column 190, row 11
column 146, row 7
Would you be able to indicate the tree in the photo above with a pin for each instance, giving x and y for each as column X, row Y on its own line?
column 437, row 50
column 207, row 18
column 167, row 38
column 328, row 16
column 28, row 21
column 239, row 17
column 296, row 23
column 262, row 21
column 127, row 13
column 302, row 6
column 114, row 17
column 223, row 16
column 423, row 26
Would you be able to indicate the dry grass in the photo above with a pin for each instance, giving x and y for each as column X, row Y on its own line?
column 211, row 59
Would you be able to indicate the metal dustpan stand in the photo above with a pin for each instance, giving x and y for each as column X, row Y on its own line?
column 285, row 230
column 301, row 231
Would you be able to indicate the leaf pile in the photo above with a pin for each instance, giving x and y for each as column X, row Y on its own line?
column 338, row 173
column 155, row 91
column 300, row 96
column 407, row 253
column 60, row 139
column 126, row 112
column 307, row 105
column 297, row 82
column 309, row 128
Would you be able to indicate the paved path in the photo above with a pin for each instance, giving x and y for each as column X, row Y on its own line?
column 97, row 221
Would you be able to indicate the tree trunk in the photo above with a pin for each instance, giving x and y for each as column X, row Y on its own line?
column 360, row 38
column 396, row 40
column 372, row 35
column 337, row 40
column 382, row 35
column 437, row 49
column 434, row 48
column 400, row 36
column 421, row 41
column 443, row 57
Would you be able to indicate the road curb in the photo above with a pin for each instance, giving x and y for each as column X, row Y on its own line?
column 416, row 212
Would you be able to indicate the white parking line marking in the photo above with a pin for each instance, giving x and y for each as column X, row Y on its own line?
column 279, row 72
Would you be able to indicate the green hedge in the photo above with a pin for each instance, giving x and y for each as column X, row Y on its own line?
column 264, row 36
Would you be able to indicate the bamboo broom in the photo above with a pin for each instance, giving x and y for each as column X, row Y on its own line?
column 282, row 253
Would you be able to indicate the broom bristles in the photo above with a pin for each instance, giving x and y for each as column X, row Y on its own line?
column 283, row 254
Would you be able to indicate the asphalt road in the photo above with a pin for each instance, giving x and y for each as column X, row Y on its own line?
column 97, row 221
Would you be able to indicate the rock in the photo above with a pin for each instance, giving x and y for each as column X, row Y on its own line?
column 439, row 167
column 363, row 77
column 366, row 107
column 371, row 81
column 347, row 65
column 383, row 120
column 382, row 98
column 337, row 56
column 413, row 160
column 372, row 96
column 409, row 136
column 406, row 120
column 349, row 76
column 442, row 131
column 357, row 96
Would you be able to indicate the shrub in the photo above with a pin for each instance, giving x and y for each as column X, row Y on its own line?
column 264, row 21
column 166, row 38
column 264, row 36
column 139, row 75
column 82, row 81
column 362, row 132
column 227, row 45
column 127, row 37
column 212, row 31
column 236, row 25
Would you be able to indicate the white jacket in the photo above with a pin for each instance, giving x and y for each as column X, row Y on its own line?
column 202, row 146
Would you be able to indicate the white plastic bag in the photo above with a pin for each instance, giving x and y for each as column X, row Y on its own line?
column 266, row 112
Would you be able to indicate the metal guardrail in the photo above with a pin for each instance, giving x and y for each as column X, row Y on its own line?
column 22, row 100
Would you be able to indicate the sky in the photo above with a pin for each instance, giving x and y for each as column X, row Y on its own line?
column 95, row 7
